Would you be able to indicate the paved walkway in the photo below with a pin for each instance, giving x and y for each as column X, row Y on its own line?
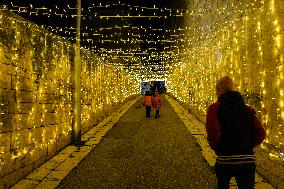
column 197, row 130
column 136, row 153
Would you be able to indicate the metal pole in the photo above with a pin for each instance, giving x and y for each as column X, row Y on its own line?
column 77, row 70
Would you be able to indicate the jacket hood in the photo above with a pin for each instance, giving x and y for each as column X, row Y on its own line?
column 232, row 99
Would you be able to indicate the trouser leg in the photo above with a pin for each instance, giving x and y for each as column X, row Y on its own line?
column 223, row 176
column 157, row 113
column 223, row 181
column 245, row 176
column 148, row 111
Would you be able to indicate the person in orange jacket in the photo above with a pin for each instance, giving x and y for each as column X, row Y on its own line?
column 148, row 103
column 156, row 102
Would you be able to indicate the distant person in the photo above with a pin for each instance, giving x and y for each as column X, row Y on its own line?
column 156, row 103
column 153, row 87
column 233, row 130
column 148, row 103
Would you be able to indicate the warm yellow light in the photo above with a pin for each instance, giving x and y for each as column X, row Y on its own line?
column 275, row 22
column 281, row 103
column 278, row 41
column 282, row 115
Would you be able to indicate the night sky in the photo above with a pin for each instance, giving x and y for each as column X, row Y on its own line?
column 124, row 33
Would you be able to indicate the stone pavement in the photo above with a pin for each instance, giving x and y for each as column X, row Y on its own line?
column 145, row 153
column 52, row 174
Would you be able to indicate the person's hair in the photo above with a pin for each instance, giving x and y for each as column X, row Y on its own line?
column 224, row 84
column 148, row 93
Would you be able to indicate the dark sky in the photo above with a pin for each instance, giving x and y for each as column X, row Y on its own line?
column 93, row 33
column 175, row 4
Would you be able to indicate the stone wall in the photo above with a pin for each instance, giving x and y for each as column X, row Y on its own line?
column 36, row 101
column 242, row 39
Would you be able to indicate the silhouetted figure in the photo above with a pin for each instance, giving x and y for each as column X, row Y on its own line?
column 153, row 87
column 233, row 131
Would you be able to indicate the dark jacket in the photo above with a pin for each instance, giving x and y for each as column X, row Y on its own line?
column 233, row 128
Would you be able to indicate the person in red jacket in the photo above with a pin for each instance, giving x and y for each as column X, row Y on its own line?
column 148, row 103
column 156, row 102
column 233, row 130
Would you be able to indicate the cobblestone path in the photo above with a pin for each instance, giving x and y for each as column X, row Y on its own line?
column 144, row 153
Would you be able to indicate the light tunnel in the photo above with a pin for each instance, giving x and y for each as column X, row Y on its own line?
column 241, row 39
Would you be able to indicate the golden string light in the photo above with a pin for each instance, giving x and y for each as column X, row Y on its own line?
column 248, row 48
column 210, row 51
column 42, row 80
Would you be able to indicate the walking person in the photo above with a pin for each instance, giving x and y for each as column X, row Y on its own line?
column 148, row 103
column 233, row 130
column 156, row 102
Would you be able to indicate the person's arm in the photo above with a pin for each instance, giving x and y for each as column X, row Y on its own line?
column 258, row 130
column 213, row 127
